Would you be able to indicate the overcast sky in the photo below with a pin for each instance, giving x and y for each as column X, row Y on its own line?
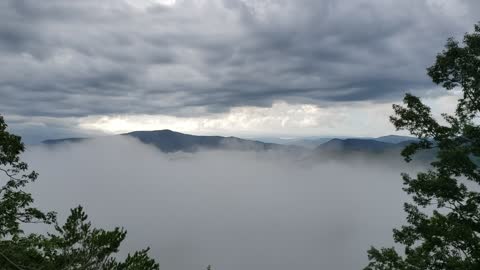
column 246, row 67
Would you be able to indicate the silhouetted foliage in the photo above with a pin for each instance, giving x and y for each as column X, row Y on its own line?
column 443, row 230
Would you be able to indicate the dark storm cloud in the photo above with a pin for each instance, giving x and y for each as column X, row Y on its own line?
column 71, row 59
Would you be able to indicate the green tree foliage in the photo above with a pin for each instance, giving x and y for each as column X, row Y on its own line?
column 76, row 245
column 443, row 220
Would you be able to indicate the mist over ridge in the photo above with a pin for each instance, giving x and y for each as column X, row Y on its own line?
column 232, row 209
column 240, row 135
column 383, row 149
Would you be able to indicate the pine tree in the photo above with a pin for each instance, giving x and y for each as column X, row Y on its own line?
column 447, row 237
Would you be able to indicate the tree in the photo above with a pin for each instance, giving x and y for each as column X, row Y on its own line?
column 15, row 204
column 73, row 246
column 443, row 230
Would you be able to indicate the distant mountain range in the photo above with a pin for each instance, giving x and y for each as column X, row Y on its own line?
column 355, row 145
column 383, row 149
column 314, row 142
column 395, row 139
column 361, row 146
column 170, row 141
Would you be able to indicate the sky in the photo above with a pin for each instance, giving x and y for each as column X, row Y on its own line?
column 288, row 68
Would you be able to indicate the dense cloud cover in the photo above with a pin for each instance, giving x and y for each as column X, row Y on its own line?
column 62, row 58
column 65, row 65
column 234, row 210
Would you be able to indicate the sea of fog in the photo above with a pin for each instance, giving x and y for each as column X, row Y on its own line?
column 233, row 210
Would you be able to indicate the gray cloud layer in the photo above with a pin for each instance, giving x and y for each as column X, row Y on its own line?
column 77, row 58
column 233, row 210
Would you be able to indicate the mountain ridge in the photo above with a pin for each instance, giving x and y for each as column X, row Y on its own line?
column 170, row 141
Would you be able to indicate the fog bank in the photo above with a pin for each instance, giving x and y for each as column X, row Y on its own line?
column 234, row 210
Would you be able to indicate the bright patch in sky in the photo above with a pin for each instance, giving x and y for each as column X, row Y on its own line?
column 143, row 4
column 282, row 119
column 165, row 2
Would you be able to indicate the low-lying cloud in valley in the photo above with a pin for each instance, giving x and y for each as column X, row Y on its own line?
column 234, row 210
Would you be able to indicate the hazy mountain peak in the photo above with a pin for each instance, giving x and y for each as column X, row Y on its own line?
column 395, row 138
column 171, row 141
column 354, row 145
